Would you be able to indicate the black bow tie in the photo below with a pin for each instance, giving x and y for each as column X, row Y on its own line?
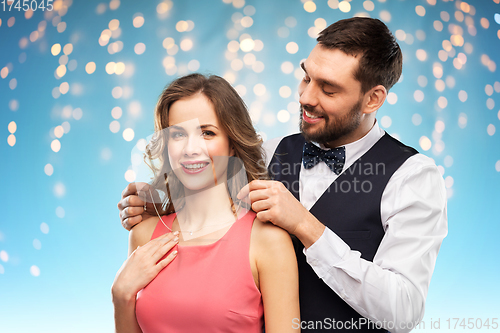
column 334, row 158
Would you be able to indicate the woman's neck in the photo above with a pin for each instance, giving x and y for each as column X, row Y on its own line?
column 203, row 209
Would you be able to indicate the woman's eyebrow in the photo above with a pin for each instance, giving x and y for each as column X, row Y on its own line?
column 204, row 126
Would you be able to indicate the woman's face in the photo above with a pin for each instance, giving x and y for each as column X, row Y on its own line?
column 198, row 148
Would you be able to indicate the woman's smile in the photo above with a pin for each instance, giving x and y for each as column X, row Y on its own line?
column 194, row 167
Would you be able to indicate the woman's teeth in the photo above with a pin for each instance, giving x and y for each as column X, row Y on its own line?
column 194, row 166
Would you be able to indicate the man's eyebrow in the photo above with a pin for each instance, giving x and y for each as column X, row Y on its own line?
column 331, row 84
column 303, row 67
column 324, row 81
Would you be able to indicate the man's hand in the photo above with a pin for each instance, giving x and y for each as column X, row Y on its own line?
column 131, row 205
column 273, row 202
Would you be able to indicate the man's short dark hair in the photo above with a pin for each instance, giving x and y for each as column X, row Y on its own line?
column 381, row 60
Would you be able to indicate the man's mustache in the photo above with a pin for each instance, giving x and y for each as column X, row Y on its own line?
column 311, row 109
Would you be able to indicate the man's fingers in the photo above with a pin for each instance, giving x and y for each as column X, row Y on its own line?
column 131, row 200
column 134, row 201
column 254, row 185
column 132, row 188
column 243, row 193
column 261, row 205
column 264, row 215
column 146, row 194
column 131, row 212
column 129, row 222
column 260, row 184
column 258, row 195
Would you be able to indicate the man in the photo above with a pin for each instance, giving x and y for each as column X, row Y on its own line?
column 368, row 214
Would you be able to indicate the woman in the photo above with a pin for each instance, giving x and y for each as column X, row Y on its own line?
column 209, row 265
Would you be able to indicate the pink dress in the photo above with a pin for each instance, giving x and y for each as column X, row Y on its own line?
column 206, row 288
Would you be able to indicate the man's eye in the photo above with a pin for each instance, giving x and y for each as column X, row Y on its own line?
column 176, row 135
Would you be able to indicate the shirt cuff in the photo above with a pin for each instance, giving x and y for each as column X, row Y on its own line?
column 327, row 252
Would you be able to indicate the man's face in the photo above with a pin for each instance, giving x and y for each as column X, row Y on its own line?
column 330, row 97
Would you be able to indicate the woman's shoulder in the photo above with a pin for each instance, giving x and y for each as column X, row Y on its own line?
column 142, row 232
column 267, row 235
column 271, row 247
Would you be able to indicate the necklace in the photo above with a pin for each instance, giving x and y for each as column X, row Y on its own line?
column 187, row 231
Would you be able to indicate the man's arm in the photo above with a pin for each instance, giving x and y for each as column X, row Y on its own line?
column 394, row 286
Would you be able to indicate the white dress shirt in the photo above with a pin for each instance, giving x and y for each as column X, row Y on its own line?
column 392, row 289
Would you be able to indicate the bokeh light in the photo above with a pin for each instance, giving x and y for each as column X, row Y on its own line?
column 48, row 169
column 309, row 6
column 128, row 134
column 35, row 271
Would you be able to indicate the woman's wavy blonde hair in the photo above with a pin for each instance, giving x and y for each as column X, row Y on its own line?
column 234, row 120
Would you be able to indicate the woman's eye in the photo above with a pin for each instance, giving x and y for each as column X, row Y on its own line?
column 208, row 133
column 306, row 79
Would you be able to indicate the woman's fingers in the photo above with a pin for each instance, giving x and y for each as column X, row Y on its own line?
column 164, row 248
column 163, row 263
column 154, row 245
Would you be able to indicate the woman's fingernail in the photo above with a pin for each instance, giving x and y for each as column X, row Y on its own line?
column 174, row 253
column 176, row 239
column 175, row 233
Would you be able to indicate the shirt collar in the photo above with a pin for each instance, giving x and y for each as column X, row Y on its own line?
column 356, row 149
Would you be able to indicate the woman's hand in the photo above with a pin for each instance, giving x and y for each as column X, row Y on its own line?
column 142, row 266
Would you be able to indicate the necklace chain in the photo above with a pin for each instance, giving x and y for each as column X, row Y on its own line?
column 188, row 231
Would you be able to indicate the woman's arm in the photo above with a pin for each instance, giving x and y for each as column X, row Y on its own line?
column 276, row 263
column 138, row 270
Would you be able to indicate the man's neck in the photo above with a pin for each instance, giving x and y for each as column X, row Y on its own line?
column 354, row 136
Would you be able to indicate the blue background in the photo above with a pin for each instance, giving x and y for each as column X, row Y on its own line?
column 61, row 241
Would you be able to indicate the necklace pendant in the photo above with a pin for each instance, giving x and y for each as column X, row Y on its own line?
column 191, row 233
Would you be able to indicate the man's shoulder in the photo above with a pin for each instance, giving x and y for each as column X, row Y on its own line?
column 271, row 145
column 274, row 142
column 418, row 164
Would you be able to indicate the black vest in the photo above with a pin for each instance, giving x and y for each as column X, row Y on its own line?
column 351, row 208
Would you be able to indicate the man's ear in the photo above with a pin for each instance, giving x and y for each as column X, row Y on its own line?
column 374, row 99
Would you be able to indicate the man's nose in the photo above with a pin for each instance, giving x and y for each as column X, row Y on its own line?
column 309, row 94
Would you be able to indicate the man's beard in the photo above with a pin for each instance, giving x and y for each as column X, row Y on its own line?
column 332, row 130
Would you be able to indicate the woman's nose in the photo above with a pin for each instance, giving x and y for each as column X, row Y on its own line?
column 195, row 145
